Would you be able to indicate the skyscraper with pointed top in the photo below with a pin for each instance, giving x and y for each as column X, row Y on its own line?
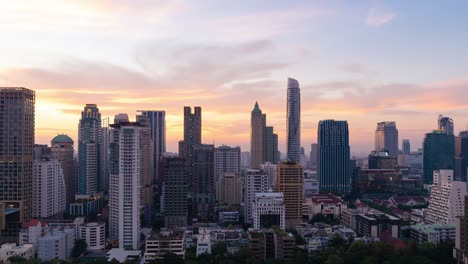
column 293, row 121
column 257, row 124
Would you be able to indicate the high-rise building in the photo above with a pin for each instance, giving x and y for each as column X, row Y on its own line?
column 229, row 189
column 49, row 191
column 445, row 124
column 257, row 124
column 146, row 167
column 245, row 159
column 386, row 138
column 293, row 121
column 438, row 153
column 157, row 122
column 62, row 150
column 290, row 183
column 460, row 252
column 104, row 161
column 174, row 172
column 17, row 106
column 89, row 151
column 226, row 160
column 255, row 181
column 126, row 161
column 272, row 171
column 313, row 154
column 270, row 145
column 405, row 146
column 203, row 182
column 447, row 198
column 461, row 156
column 333, row 157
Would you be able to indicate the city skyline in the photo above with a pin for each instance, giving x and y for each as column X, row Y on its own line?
column 374, row 77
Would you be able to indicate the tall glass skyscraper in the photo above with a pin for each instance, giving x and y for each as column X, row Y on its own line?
column 16, row 159
column 438, row 153
column 333, row 166
column 445, row 124
column 257, row 126
column 89, row 151
column 405, row 146
column 293, row 121
column 386, row 138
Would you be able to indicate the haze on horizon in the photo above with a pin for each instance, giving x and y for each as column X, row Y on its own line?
column 364, row 62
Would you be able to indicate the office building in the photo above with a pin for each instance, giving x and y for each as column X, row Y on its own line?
column 203, row 182
column 105, row 140
column 146, row 170
column 445, row 124
column 272, row 171
column 226, row 160
column 272, row 244
column 89, row 151
column 257, row 125
column 255, row 181
column 460, row 252
column 382, row 160
column 62, row 150
column 229, row 189
column 49, row 190
column 386, row 138
column 12, row 250
column 446, row 200
column 94, row 234
column 245, row 160
column 16, row 159
column 375, row 224
column 126, row 161
column 313, row 154
column 174, row 172
column 438, row 153
column 461, row 156
column 31, row 231
column 324, row 204
column 268, row 210
column 57, row 244
column 290, row 183
column 405, row 146
column 159, row 244
column 157, row 124
column 270, row 146
column 333, row 157
column 293, row 121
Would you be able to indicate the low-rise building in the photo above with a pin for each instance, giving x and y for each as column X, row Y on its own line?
column 346, row 233
column 11, row 250
column 272, row 244
column 203, row 244
column 229, row 217
column 407, row 201
column 326, row 204
column 164, row 242
column 31, row 231
column 57, row 244
column 94, row 234
column 374, row 224
column 348, row 217
column 433, row 233
column 122, row 255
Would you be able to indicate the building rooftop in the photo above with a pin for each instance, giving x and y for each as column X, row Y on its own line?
column 62, row 139
column 432, row 228
column 167, row 235
column 324, row 198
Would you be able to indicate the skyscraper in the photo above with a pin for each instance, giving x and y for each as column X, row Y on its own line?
column 461, row 156
column 270, row 145
column 126, row 157
column 257, row 124
column 157, row 121
column 386, row 138
column 313, row 154
column 176, row 187
column 17, row 106
column 293, row 121
column 89, row 151
column 226, row 160
column 438, row 153
column 290, row 182
column 333, row 157
column 256, row 181
column 445, row 124
column 62, row 149
column 203, row 182
column 146, row 168
column 406, row 147
column 49, row 189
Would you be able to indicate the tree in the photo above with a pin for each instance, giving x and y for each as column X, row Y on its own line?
column 171, row 258
column 17, row 259
column 79, row 248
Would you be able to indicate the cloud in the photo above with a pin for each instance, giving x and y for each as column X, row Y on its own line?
column 377, row 17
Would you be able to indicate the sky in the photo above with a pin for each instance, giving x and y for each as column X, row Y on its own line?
column 360, row 61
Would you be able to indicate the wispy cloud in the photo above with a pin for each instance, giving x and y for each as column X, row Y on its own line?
column 377, row 17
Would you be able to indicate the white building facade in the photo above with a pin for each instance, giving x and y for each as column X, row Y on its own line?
column 447, row 198
column 271, row 170
column 256, row 181
column 94, row 234
column 268, row 210
column 49, row 191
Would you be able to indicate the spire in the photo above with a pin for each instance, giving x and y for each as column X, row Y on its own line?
column 256, row 108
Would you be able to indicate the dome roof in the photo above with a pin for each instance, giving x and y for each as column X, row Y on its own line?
column 62, row 139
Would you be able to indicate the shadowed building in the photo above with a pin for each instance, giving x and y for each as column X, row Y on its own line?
column 438, row 153
column 62, row 149
column 386, row 138
column 293, row 121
